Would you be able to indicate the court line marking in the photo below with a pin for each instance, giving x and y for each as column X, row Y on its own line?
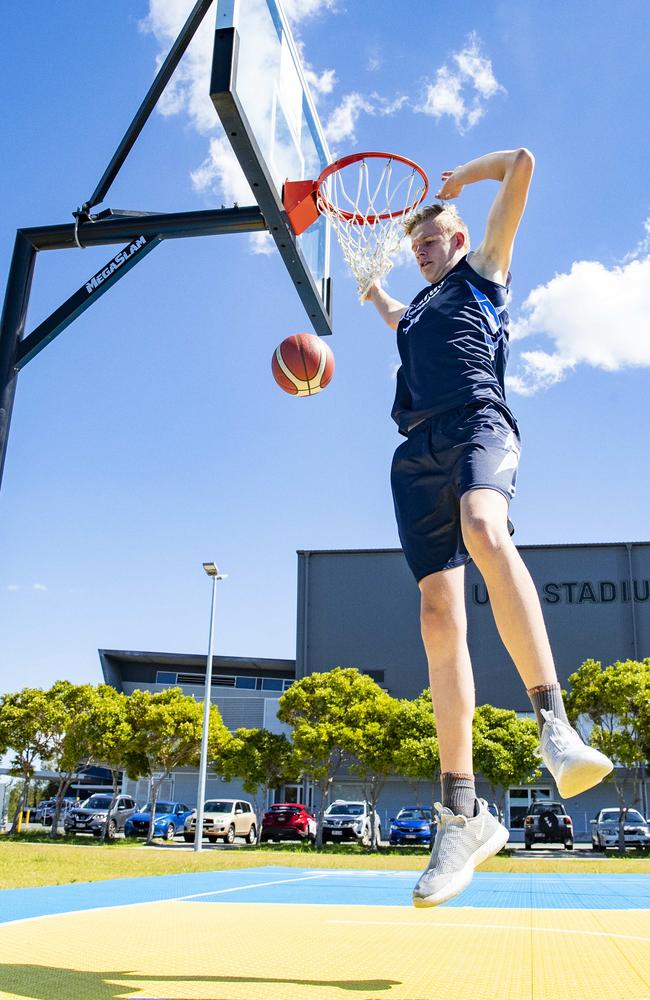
column 490, row 926
column 146, row 902
column 253, row 885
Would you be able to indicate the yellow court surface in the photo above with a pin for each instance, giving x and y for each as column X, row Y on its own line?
column 209, row 943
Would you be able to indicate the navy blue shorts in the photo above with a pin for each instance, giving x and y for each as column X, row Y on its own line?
column 475, row 446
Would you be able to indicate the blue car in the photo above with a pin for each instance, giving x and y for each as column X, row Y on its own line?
column 412, row 825
column 170, row 819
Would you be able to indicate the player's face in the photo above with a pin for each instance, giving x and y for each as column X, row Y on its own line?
column 434, row 248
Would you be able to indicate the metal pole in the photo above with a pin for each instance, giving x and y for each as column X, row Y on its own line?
column 203, row 766
column 12, row 325
column 163, row 77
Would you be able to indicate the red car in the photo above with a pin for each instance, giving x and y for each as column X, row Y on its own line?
column 289, row 821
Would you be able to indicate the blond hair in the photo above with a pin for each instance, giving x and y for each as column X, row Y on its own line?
column 446, row 216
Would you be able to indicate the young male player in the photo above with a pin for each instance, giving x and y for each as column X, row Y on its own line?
column 452, row 481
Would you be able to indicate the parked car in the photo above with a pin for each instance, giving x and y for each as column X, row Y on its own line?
column 44, row 811
column 289, row 821
column 224, row 819
column 349, row 821
column 170, row 820
column 548, row 823
column 604, row 829
column 91, row 815
column 412, row 825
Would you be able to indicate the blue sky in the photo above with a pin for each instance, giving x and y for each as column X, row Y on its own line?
column 151, row 437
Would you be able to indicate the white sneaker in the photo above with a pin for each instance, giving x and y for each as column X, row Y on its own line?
column 460, row 846
column 574, row 766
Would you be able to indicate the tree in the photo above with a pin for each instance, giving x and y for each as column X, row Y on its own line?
column 101, row 734
column 66, row 703
column 374, row 746
column 505, row 749
column 417, row 756
column 262, row 759
column 318, row 709
column 167, row 727
column 24, row 730
column 616, row 701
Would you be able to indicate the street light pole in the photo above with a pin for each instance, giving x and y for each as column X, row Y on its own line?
column 213, row 571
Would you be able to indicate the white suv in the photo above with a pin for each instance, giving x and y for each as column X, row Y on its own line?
column 224, row 819
column 349, row 821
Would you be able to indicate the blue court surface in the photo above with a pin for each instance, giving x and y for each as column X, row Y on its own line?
column 330, row 887
column 290, row 933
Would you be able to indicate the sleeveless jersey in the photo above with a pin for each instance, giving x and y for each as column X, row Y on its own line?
column 453, row 344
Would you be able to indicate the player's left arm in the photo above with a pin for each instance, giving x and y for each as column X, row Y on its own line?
column 514, row 169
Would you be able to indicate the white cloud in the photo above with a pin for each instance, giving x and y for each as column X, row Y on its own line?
column 13, row 586
column 188, row 89
column 594, row 315
column 374, row 60
column 300, row 10
column 262, row 243
column 221, row 174
column 342, row 122
column 39, row 586
column 461, row 91
column 320, row 85
column 642, row 247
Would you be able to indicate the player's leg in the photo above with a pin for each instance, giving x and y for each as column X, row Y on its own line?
column 443, row 622
column 518, row 616
column 513, row 597
column 467, row 834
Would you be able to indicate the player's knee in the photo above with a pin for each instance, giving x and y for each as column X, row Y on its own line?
column 483, row 534
column 440, row 616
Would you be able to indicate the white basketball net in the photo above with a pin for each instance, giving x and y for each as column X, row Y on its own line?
column 375, row 187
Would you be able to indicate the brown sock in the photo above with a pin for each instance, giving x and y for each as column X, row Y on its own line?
column 459, row 793
column 548, row 696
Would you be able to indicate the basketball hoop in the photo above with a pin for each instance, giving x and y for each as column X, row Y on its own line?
column 367, row 197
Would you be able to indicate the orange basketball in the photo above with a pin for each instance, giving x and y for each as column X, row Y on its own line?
column 303, row 364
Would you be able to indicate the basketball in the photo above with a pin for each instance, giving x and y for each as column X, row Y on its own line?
column 303, row 364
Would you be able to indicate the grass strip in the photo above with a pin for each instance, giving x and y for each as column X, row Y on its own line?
column 27, row 864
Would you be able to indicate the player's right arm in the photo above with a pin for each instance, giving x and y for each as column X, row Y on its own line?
column 390, row 309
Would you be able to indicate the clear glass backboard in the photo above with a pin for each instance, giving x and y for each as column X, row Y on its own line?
column 263, row 99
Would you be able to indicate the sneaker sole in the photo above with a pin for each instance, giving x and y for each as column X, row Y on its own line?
column 583, row 776
column 462, row 879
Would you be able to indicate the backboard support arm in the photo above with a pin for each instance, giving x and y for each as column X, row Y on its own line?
column 141, row 117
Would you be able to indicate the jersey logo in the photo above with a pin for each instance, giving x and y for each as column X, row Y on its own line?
column 492, row 315
column 415, row 310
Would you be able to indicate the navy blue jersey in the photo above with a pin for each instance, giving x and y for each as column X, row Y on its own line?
column 453, row 343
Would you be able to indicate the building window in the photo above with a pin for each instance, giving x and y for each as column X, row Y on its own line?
column 165, row 677
column 245, row 682
column 272, row 684
column 520, row 801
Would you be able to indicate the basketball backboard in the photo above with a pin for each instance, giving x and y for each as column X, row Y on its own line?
column 261, row 95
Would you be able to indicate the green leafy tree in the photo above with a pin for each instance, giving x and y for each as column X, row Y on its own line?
column 167, row 727
column 505, row 749
column 24, row 728
column 66, row 702
column 101, row 734
column 318, row 708
column 374, row 746
column 616, row 702
column 262, row 759
column 417, row 754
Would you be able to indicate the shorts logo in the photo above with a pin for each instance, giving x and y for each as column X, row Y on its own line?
column 511, row 459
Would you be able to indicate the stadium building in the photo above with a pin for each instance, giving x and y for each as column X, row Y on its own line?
column 360, row 608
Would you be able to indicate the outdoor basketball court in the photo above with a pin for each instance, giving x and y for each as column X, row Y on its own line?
column 290, row 933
